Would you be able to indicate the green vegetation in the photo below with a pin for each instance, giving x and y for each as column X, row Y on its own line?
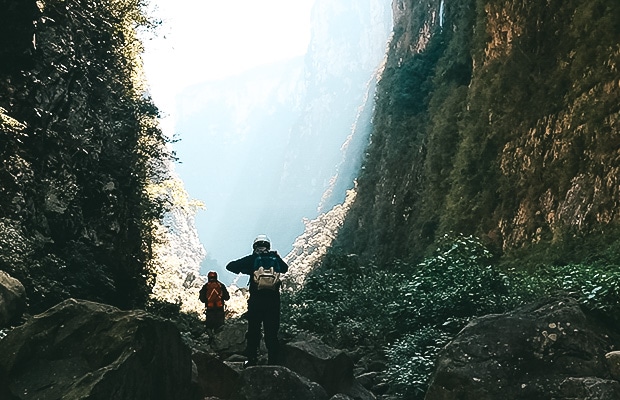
column 80, row 145
column 503, row 125
column 409, row 312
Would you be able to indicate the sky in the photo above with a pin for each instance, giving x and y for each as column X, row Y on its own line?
column 210, row 40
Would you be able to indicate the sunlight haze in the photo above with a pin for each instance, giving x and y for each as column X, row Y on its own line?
column 202, row 44
column 270, row 102
column 204, row 40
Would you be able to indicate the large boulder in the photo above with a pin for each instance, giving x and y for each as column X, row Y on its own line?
column 230, row 338
column 548, row 350
column 276, row 383
column 12, row 299
column 85, row 350
column 215, row 377
column 332, row 369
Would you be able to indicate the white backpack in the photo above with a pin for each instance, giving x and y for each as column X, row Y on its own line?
column 267, row 279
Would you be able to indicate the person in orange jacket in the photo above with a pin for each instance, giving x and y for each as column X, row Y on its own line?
column 214, row 294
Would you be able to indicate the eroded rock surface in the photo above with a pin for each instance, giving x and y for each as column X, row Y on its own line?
column 80, row 349
column 12, row 299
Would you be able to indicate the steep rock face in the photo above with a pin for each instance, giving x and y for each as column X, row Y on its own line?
column 80, row 349
column 310, row 247
column 345, row 53
column 494, row 118
column 177, row 258
column 12, row 299
column 541, row 351
column 76, row 132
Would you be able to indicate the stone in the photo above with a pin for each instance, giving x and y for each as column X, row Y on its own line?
column 215, row 377
column 276, row 382
column 230, row 339
column 613, row 362
column 550, row 347
column 12, row 299
column 80, row 349
column 331, row 368
column 340, row 396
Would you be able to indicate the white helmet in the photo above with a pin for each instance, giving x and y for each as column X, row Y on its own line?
column 261, row 241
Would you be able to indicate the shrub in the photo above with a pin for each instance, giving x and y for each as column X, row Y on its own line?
column 457, row 282
column 412, row 358
column 409, row 312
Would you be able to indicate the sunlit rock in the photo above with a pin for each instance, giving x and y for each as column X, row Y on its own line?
column 12, row 299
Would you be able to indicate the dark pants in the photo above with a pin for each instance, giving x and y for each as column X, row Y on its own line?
column 263, row 311
column 214, row 318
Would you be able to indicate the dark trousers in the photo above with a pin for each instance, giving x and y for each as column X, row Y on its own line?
column 214, row 318
column 263, row 312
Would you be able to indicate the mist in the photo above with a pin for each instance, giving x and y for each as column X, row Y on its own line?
column 266, row 148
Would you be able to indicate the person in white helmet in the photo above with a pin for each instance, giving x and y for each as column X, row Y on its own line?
column 264, row 267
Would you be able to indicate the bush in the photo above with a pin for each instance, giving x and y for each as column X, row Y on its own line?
column 458, row 282
column 412, row 358
column 343, row 302
column 409, row 312
column 595, row 286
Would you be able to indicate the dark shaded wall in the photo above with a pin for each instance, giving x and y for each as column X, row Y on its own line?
column 78, row 144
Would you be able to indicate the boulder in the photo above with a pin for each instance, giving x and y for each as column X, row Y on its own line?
column 276, row 383
column 613, row 362
column 215, row 377
column 12, row 299
column 546, row 350
column 330, row 368
column 230, row 338
column 85, row 350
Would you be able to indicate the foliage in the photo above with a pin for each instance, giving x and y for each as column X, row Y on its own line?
column 412, row 358
column 341, row 301
column 80, row 143
column 456, row 283
column 409, row 312
column 504, row 126
column 595, row 286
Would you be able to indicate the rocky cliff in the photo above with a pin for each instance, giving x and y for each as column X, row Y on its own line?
column 495, row 118
column 79, row 144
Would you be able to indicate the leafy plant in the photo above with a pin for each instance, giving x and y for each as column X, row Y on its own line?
column 82, row 144
column 412, row 358
column 409, row 312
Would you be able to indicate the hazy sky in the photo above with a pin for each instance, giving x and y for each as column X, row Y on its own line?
column 211, row 40
column 207, row 40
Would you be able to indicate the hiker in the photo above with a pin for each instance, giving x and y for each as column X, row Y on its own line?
column 213, row 294
column 264, row 267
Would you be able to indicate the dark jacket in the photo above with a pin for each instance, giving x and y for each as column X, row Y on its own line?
column 245, row 266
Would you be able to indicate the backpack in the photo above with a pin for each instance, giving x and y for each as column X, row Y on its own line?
column 212, row 294
column 265, row 275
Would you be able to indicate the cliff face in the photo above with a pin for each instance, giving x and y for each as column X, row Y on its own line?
column 494, row 118
column 79, row 144
column 289, row 135
column 346, row 50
